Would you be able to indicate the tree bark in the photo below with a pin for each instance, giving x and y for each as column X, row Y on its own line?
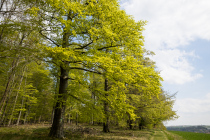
column 69, row 119
column 130, row 122
column 106, row 110
column 11, row 116
column 76, row 118
column 26, row 113
column 9, row 82
column 4, row 112
column 141, row 124
column 52, row 115
column 57, row 129
column 93, row 97
column 20, row 112
column 7, row 103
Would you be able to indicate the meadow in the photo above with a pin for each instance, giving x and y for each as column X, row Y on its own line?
column 191, row 135
column 87, row 132
column 73, row 132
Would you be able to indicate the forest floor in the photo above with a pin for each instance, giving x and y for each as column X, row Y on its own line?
column 82, row 132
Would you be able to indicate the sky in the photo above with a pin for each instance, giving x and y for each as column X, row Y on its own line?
column 178, row 31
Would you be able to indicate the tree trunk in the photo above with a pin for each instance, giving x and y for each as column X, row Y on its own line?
column 59, row 114
column 39, row 121
column 92, row 122
column 52, row 115
column 141, row 124
column 4, row 112
column 69, row 119
column 130, row 122
column 11, row 116
column 18, row 120
column 93, row 97
column 106, row 110
column 22, row 102
column 27, row 113
column 35, row 120
column 9, row 82
column 106, row 122
column 57, row 129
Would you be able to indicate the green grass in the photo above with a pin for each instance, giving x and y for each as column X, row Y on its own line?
column 159, row 135
column 85, row 132
column 169, row 136
column 72, row 132
column 192, row 136
column 27, row 132
column 172, row 136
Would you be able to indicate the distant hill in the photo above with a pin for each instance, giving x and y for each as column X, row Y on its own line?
column 196, row 129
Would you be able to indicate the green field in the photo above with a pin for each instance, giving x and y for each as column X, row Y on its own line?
column 191, row 135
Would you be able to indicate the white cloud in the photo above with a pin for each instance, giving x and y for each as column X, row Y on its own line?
column 192, row 111
column 172, row 24
column 190, row 105
column 190, row 119
column 174, row 66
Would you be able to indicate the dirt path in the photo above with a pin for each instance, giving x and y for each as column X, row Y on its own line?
column 173, row 136
column 159, row 135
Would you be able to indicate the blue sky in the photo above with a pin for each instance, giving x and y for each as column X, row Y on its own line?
column 178, row 31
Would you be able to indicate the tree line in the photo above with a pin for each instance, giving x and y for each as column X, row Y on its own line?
column 81, row 61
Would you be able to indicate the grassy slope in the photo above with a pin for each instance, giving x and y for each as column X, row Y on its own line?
column 191, row 135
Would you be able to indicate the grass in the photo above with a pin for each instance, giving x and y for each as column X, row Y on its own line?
column 26, row 132
column 191, row 135
column 169, row 136
column 72, row 132
column 85, row 132
column 172, row 136
column 159, row 135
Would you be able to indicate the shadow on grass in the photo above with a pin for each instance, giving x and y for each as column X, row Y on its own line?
column 35, row 132
column 25, row 134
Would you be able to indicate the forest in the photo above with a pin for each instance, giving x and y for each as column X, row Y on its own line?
column 65, row 62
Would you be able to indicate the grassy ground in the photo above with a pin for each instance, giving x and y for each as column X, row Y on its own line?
column 159, row 135
column 84, row 132
column 26, row 132
column 191, row 135
column 172, row 136
column 40, row 132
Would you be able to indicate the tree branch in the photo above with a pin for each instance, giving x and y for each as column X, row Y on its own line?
column 86, row 70
column 48, row 38
column 82, row 47
column 108, row 47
